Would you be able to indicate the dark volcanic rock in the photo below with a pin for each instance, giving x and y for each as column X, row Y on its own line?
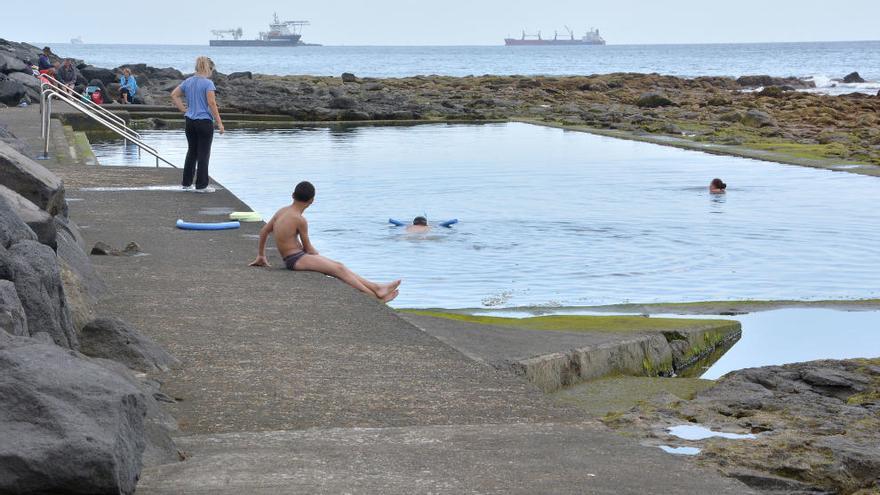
column 348, row 77
column 33, row 267
column 654, row 100
column 12, row 317
column 241, row 75
column 38, row 220
column 9, row 63
column 853, row 77
column 818, row 425
column 11, row 92
column 31, row 180
column 113, row 338
column 12, row 227
column 158, row 424
column 91, row 72
column 343, row 103
column 67, row 425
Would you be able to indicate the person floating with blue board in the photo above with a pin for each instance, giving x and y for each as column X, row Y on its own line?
column 420, row 225
column 291, row 231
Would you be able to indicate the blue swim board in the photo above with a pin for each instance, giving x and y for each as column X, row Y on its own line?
column 207, row 226
column 447, row 224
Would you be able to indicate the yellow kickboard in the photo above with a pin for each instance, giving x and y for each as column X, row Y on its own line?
column 246, row 216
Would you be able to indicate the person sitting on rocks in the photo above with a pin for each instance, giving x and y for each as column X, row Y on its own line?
column 127, row 86
column 419, row 225
column 291, row 231
column 67, row 74
column 717, row 186
column 44, row 64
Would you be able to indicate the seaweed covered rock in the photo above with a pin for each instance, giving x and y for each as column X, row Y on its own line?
column 113, row 338
column 654, row 100
column 31, row 180
column 33, row 268
column 67, row 425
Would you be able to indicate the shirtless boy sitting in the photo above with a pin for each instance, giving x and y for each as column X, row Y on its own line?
column 291, row 232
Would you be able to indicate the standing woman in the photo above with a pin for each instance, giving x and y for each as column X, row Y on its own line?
column 201, row 114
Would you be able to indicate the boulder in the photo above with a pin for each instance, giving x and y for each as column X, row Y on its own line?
column 31, row 180
column 27, row 80
column 71, row 250
column 68, row 425
column 654, row 100
column 33, row 268
column 12, row 227
column 12, row 318
column 755, row 81
column 348, row 77
column 113, row 338
column 38, row 220
column 158, row 424
column 757, row 118
column 342, row 103
column 853, row 77
column 241, row 75
column 9, row 138
column 11, row 92
column 90, row 72
column 8, row 63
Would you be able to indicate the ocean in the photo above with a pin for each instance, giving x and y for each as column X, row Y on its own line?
column 823, row 62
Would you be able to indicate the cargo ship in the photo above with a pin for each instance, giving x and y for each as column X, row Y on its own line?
column 287, row 33
column 592, row 37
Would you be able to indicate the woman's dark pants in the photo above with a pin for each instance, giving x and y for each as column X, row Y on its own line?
column 199, row 135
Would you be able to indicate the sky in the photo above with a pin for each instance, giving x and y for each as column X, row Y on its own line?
column 450, row 22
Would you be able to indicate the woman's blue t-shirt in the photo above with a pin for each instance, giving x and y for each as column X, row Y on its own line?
column 196, row 90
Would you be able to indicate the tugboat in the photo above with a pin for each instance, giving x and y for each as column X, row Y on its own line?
column 287, row 33
column 591, row 38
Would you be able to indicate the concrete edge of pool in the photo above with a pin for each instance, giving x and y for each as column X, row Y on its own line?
column 557, row 352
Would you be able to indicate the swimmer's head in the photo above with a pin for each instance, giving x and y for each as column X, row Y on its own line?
column 304, row 192
column 718, row 184
column 420, row 221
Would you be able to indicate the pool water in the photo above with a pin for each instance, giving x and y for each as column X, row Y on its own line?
column 550, row 218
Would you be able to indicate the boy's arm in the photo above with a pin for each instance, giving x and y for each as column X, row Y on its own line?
column 261, row 250
column 304, row 238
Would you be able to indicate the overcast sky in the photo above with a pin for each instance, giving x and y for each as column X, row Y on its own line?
column 450, row 22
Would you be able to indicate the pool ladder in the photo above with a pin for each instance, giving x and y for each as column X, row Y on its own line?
column 51, row 88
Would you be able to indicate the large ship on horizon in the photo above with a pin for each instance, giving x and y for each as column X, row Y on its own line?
column 286, row 33
column 592, row 37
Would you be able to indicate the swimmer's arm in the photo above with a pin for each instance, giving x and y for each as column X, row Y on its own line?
column 304, row 238
column 261, row 250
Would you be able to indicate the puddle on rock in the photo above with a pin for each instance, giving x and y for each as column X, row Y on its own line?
column 125, row 189
column 216, row 210
column 697, row 432
column 680, row 450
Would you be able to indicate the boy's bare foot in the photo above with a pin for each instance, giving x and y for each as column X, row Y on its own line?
column 387, row 289
column 390, row 297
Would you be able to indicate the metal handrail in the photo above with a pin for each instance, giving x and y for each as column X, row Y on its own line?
column 76, row 102
column 59, row 85
column 46, row 114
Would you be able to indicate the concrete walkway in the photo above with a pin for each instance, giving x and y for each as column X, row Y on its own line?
column 284, row 371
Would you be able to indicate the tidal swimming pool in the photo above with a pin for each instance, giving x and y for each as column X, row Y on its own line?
column 554, row 218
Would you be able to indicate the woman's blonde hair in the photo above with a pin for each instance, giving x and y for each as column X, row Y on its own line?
column 204, row 65
column 126, row 71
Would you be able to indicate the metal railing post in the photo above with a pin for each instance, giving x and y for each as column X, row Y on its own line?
column 47, row 117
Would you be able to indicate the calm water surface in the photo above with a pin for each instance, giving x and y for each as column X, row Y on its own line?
column 554, row 218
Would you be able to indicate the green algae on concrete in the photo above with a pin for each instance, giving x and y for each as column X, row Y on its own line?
column 580, row 323
column 616, row 394
column 638, row 346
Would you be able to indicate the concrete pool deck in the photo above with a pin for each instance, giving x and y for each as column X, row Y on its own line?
column 295, row 382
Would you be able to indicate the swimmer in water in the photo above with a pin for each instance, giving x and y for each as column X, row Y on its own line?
column 419, row 226
column 717, row 186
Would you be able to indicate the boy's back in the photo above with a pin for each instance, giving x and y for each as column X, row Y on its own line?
column 288, row 223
